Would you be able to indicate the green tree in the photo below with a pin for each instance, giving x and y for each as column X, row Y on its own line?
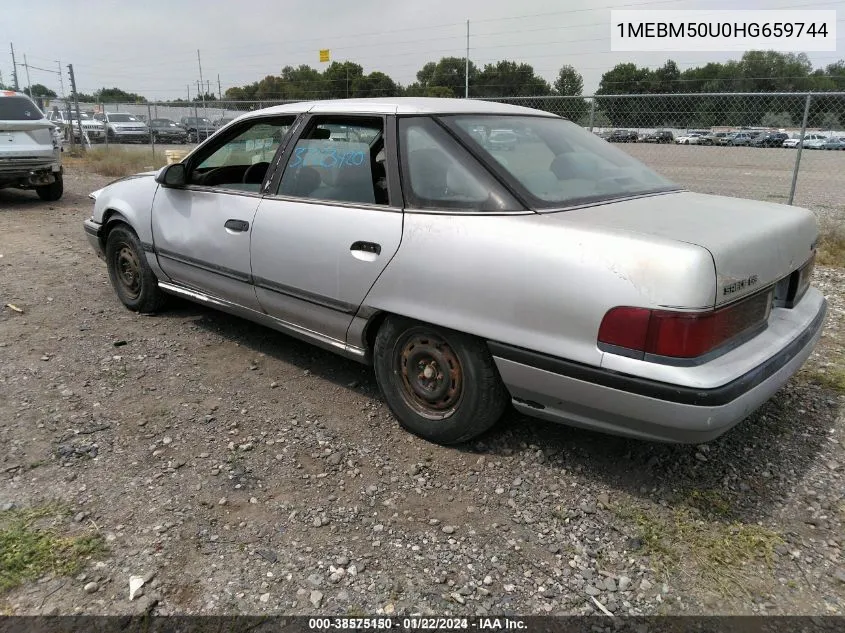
column 40, row 90
column 449, row 72
column 777, row 119
column 569, row 82
column 116, row 95
column 339, row 78
column 509, row 79
column 376, row 84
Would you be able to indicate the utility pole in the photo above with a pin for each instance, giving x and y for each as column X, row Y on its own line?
column 189, row 92
column 28, row 84
column 75, row 104
column 219, row 90
column 14, row 69
column 199, row 62
column 61, row 77
column 466, row 69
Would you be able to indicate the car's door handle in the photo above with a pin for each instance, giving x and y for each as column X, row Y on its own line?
column 366, row 247
column 237, row 225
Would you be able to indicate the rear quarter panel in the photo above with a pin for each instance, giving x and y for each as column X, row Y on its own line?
column 533, row 281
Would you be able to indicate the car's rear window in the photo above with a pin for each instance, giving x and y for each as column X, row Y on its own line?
column 559, row 163
column 18, row 109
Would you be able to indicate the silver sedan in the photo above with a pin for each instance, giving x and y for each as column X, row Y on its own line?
column 557, row 274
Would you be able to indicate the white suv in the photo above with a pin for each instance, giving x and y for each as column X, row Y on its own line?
column 30, row 154
column 94, row 130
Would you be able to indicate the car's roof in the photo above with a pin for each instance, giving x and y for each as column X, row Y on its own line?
column 401, row 105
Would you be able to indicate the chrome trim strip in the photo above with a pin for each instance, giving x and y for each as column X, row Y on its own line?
column 350, row 351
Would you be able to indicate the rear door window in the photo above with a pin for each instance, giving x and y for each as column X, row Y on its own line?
column 340, row 159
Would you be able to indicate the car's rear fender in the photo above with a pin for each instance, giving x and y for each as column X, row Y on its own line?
column 535, row 282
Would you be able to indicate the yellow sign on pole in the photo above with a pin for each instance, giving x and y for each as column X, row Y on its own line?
column 324, row 55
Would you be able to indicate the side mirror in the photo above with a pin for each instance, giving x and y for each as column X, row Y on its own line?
column 174, row 175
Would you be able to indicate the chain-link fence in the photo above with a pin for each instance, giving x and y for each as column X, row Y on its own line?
column 737, row 144
column 746, row 145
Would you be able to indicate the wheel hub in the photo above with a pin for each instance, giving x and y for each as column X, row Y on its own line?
column 431, row 375
column 128, row 270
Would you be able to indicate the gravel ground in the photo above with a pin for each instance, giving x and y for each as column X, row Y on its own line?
column 240, row 471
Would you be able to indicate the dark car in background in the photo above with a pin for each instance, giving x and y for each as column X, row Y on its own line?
column 623, row 136
column 224, row 121
column 198, row 128
column 168, row 131
column 769, row 139
column 659, row 136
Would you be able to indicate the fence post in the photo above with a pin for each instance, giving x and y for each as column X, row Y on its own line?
column 800, row 147
column 150, row 129
column 592, row 112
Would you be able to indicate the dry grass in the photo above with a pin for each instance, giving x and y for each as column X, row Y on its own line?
column 701, row 541
column 831, row 377
column 116, row 161
column 832, row 245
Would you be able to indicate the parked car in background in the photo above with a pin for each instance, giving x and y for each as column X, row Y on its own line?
column 770, row 139
column 122, row 127
column 814, row 141
column 30, row 153
column 199, row 128
column 623, row 136
column 168, row 131
column 738, row 139
column 223, row 121
column 835, row 143
column 690, row 138
column 94, row 130
column 714, row 138
column 659, row 136
column 689, row 311
column 792, row 142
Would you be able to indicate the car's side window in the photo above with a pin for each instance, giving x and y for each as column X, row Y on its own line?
column 339, row 159
column 241, row 162
column 437, row 173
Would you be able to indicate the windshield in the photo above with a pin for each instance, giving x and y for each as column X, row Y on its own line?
column 18, row 109
column 122, row 118
column 558, row 162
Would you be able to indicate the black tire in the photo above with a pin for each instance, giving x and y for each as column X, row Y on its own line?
column 449, row 411
column 53, row 191
column 131, row 276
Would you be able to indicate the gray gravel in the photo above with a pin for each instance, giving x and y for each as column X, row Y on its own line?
column 243, row 471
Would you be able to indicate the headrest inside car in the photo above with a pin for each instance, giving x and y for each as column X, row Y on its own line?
column 321, row 134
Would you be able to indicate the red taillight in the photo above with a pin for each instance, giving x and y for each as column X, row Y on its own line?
column 681, row 334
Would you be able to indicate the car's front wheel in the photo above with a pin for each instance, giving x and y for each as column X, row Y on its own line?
column 53, row 191
column 440, row 384
column 131, row 276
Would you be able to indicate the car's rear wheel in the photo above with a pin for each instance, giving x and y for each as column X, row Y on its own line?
column 53, row 191
column 440, row 384
column 131, row 276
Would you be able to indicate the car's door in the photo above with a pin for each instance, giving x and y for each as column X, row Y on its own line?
column 202, row 231
column 329, row 224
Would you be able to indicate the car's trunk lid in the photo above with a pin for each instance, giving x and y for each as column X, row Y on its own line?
column 26, row 138
column 754, row 244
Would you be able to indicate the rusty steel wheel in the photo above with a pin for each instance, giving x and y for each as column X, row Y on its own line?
column 431, row 374
column 128, row 270
column 131, row 276
column 440, row 384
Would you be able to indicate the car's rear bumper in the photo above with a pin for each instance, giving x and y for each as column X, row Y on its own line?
column 612, row 402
